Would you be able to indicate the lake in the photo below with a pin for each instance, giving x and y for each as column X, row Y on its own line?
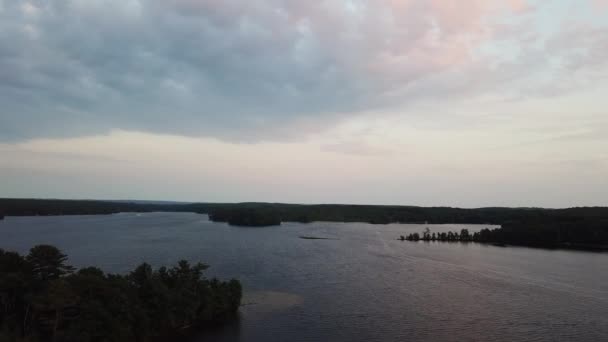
column 359, row 285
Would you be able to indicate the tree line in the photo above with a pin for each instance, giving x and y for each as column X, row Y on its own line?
column 584, row 234
column 375, row 214
column 584, row 227
column 464, row 235
column 42, row 298
column 250, row 217
column 47, row 207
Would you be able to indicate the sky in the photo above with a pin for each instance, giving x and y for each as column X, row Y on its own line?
column 467, row 103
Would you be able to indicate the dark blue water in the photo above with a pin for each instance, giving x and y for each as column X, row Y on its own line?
column 363, row 285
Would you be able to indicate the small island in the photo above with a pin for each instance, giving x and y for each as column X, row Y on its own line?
column 45, row 299
column 316, row 238
column 245, row 217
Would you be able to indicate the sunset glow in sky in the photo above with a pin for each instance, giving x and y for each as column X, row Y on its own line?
column 464, row 103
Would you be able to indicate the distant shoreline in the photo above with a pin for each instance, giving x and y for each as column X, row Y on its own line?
column 580, row 228
column 305, row 213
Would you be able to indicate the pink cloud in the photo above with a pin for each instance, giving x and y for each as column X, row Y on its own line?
column 269, row 63
column 601, row 4
column 406, row 37
column 400, row 39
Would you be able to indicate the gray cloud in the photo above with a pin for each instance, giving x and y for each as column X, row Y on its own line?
column 356, row 148
column 231, row 69
column 167, row 66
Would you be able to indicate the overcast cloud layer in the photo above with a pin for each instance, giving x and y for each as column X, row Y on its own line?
column 429, row 102
column 275, row 69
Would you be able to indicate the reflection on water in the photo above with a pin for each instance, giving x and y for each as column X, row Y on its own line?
column 361, row 285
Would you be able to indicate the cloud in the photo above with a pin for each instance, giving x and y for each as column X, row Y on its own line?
column 249, row 70
column 601, row 4
column 356, row 148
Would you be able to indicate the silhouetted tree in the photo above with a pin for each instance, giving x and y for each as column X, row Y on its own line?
column 42, row 299
column 426, row 235
column 48, row 262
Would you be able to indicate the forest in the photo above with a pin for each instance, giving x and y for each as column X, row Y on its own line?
column 250, row 217
column 375, row 214
column 585, row 234
column 582, row 227
column 43, row 298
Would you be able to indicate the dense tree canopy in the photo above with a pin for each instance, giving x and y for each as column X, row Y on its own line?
column 580, row 235
column 253, row 217
column 44, row 299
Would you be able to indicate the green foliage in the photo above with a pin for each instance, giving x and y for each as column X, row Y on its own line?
column 42, row 299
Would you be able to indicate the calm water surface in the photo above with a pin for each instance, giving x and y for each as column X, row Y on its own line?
column 363, row 285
